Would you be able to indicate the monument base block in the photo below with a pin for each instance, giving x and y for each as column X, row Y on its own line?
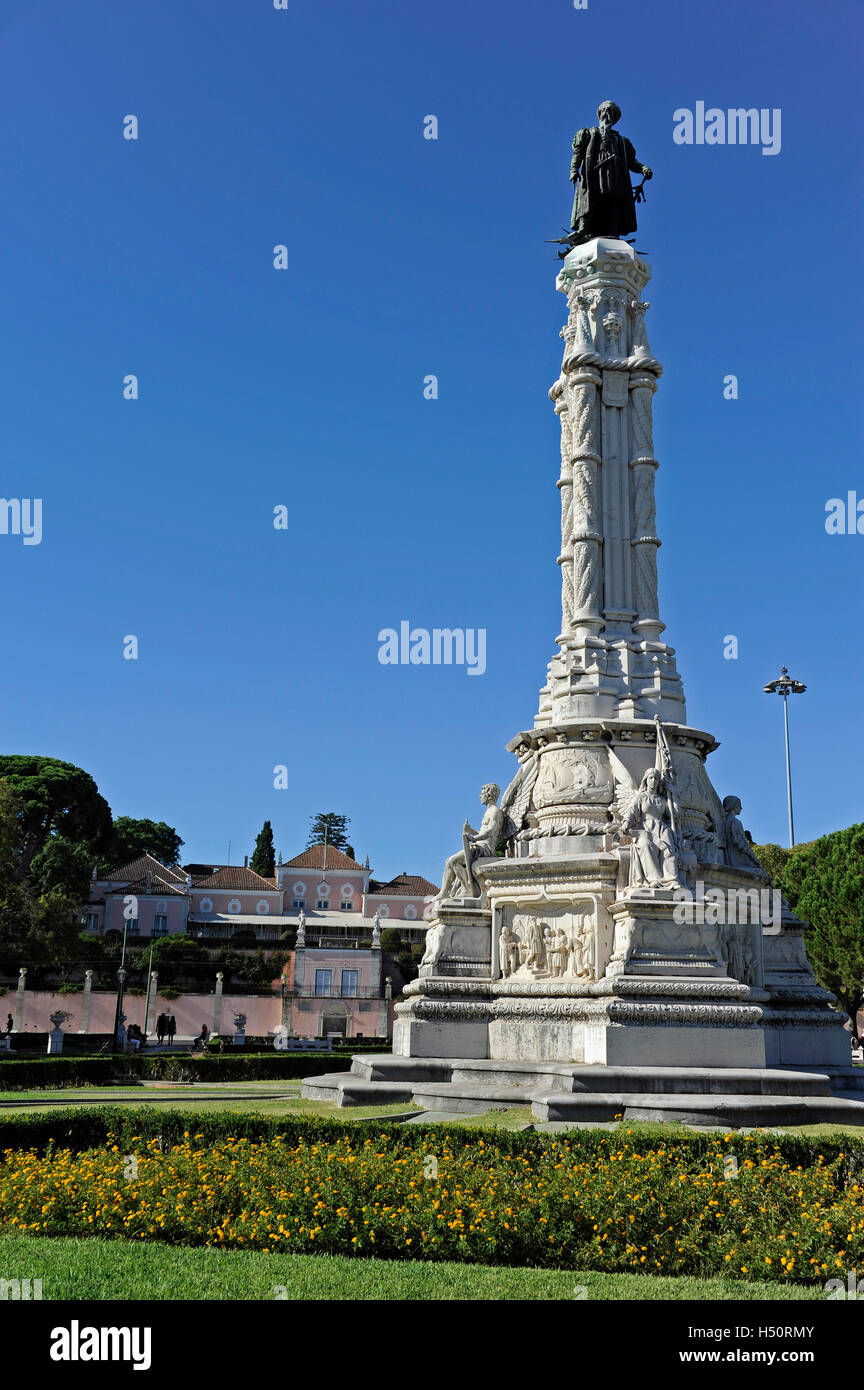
column 622, row 1021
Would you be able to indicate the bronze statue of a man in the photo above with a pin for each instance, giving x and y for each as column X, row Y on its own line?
column 602, row 163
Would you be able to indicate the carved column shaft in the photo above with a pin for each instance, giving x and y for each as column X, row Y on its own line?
column 644, row 540
column 565, row 483
column 612, row 660
column 586, row 535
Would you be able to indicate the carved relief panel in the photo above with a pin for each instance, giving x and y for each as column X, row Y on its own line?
column 569, row 776
column 554, row 941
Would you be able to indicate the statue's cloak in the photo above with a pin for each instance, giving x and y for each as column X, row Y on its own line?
column 604, row 166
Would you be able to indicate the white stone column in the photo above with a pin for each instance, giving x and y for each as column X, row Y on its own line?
column 152, row 996
column 19, row 999
column 612, row 659
column 618, row 607
column 586, row 536
column 217, row 1004
column 644, row 540
column 85, row 1001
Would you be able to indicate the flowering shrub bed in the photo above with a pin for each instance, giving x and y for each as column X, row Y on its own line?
column 610, row 1201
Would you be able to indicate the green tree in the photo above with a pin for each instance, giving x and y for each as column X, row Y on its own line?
column 773, row 859
column 332, row 826
column 177, row 947
column 54, row 798
column 15, row 914
column 391, row 940
column 9, row 833
column 263, row 859
column 130, row 839
column 54, row 930
column 64, row 866
column 39, row 917
column 824, row 882
column 176, row 955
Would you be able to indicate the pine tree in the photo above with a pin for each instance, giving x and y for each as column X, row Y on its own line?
column 334, row 827
column 263, row 859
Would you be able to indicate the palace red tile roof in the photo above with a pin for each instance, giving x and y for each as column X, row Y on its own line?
column 235, row 876
column 403, row 886
column 139, row 868
column 158, row 887
column 313, row 858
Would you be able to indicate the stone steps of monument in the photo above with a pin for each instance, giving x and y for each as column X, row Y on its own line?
column 574, row 1093
column 345, row 1089
column 372, row 1066
column 471, row 1098
column 839, row 1078
column 718, row 1081
column 733, row 1111
column 573, row 1076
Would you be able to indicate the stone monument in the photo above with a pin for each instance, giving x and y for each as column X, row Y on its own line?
column 608, row 928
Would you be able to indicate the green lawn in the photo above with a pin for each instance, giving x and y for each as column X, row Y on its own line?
column 105, row 1269
column 243, row 1098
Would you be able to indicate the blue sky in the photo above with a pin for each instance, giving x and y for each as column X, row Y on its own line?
column 304, row 387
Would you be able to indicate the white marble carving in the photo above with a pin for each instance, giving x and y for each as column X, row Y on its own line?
column 738, row 851
column 458, row 880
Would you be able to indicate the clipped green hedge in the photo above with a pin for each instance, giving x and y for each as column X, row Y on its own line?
column 34, row 1044
column 51, row 1073
column 89, row 1126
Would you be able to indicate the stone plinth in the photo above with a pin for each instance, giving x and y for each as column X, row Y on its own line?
column 648, row 941
column 458, row 942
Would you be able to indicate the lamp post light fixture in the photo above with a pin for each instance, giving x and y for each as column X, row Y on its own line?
column 786, row 686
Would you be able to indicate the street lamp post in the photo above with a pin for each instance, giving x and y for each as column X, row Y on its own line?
column 118, row 1012
column 121, row 976
column 786, row 686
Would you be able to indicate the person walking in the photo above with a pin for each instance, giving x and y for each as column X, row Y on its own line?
column 9, row 1024
column 161, row 1029
column 171, row 1028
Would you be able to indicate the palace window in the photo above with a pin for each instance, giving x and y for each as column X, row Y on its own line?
column 323, row 982
column 349, row 983
column 160, row 925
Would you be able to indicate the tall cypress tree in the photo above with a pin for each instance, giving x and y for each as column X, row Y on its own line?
column 263, row 859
